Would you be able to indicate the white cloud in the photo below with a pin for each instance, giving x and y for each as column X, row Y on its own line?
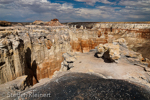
column 138, row 9
column 108, row 8
column 136, row 3
column 30, row 10
column 89, row 13
column 89, row 2
column 66, row 6
column 92, row 2
column 106, row 2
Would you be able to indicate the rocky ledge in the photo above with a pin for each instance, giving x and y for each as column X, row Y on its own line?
column 73, row 86
column 110, row 61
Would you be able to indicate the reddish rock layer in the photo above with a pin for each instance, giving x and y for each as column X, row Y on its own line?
column 48, row 67
column 53, row 23
column 139, row 33
column 85, row 45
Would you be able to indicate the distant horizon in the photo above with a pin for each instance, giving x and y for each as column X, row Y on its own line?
column 74, row 22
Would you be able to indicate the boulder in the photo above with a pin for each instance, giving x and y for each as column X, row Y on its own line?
column 108, row 51
column 69, row 59
column 113, row 50
column 100, row 50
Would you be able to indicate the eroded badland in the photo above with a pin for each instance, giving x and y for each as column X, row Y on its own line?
column 40, row 52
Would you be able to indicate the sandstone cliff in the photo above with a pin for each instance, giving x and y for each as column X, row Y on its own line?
column 36, row 51
column 32, row 50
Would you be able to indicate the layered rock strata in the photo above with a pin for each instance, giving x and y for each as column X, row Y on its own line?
column 136, row 35
column 32, row 50
column 36, row 51
column 83, row 40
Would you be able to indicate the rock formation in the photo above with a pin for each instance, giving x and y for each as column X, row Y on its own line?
column 136, row 34
column 44, row 45
column 33, row 50
column 38, row 22
column 5, row 23
column 69, row 59
column 83, row 40
column 42, row 51
column 108, row 51
column 100, row 50
column 53, row 22
column 86, row 86
column 130, row 65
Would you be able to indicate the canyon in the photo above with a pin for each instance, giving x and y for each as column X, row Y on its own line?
column 45, row 51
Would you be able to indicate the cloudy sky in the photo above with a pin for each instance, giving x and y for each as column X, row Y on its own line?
column 75, row 10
